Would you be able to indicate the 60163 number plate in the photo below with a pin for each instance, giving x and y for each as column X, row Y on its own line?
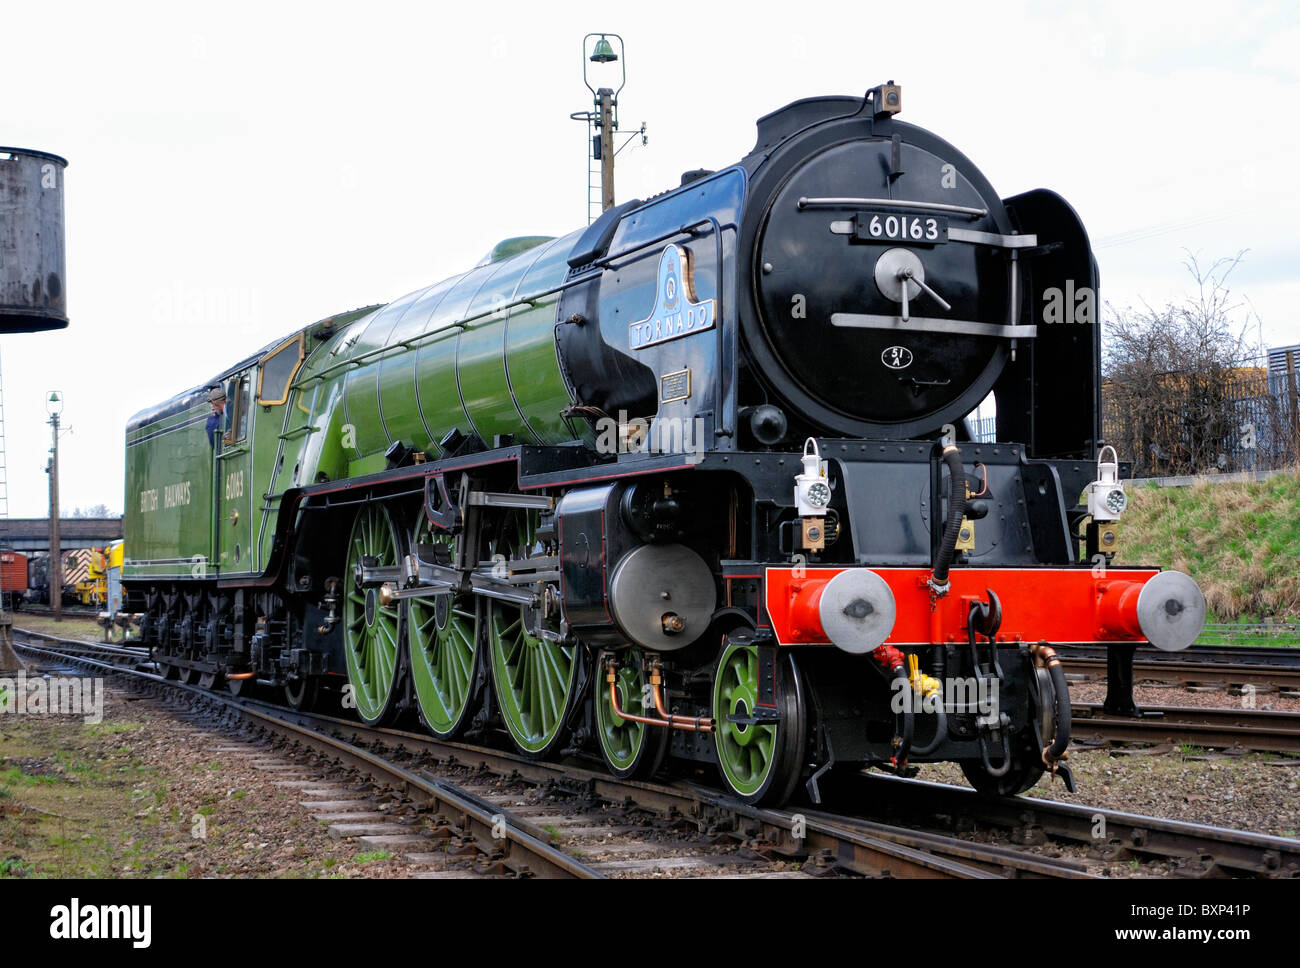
column 900, row 227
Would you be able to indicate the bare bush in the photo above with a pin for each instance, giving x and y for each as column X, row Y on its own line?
column 1185, row 390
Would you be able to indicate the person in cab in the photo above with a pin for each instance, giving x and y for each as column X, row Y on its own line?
column 217, row 397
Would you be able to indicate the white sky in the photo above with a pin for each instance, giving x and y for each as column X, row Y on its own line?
column 238, row 170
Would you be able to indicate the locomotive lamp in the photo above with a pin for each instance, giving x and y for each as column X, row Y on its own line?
column 812, row 495
column 1106, row 497
column 1106, row 502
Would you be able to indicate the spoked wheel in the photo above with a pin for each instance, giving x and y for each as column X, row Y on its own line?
column 443, row 640
column 241, row 687
column 631, row 750
column 171, row 642
column 760, row 763
column 302, row 694
column 534, row 679
column 189, row 676
column 210, row 680
column 372, row 633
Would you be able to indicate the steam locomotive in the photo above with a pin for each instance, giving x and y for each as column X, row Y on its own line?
column 695, row 481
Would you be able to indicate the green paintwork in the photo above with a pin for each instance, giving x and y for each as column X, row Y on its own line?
column 412, row 370
column 371, row 632
column 442, row 634
column 534, row 678
column 745, row 753
column 169, row 495
column 508, row 248
column 621, row 739
column 236, row 484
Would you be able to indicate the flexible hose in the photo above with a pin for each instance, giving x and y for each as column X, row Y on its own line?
column 938, row 669
column 1062, row 690
column 956, row 511
column 940, row 731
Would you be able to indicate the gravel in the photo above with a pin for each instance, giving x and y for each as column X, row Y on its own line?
column 146, row 793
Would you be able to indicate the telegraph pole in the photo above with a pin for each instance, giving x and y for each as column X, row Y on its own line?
column 55, row 407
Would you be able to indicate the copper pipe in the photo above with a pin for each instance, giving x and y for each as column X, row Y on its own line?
column 241, row 675
column 696, row 725
column 632, row 717
column 1045, row 653
column 701, row 725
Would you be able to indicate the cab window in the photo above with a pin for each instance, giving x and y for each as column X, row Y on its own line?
column 278, row 369
column 236, row 409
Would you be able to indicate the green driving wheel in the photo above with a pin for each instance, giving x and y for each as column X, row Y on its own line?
column 534, row 678
column 371, row 630
column 631, row 750
column 759, row 762
column 442, row 636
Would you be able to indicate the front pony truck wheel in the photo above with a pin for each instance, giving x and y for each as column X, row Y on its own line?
column 631, row 750
column 372, row 632
column 759, row 762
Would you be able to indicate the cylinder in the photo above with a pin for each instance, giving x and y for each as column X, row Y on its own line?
column 33, row 290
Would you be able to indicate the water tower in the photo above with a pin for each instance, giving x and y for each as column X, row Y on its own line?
column 33, row 285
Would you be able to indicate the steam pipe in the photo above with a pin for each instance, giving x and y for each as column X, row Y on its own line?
column 701, row 724
column 692, row 724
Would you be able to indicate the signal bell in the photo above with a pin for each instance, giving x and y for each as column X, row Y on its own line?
column 603, row 53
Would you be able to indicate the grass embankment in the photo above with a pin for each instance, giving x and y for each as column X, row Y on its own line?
column 72, row 626
column 1241, row 542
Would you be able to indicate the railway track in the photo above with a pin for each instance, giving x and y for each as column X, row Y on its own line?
column 525, row 818
column 1194, row 850
column 1196, row 666
column 68, row 611
column 1220, row 728
column 570, row 810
